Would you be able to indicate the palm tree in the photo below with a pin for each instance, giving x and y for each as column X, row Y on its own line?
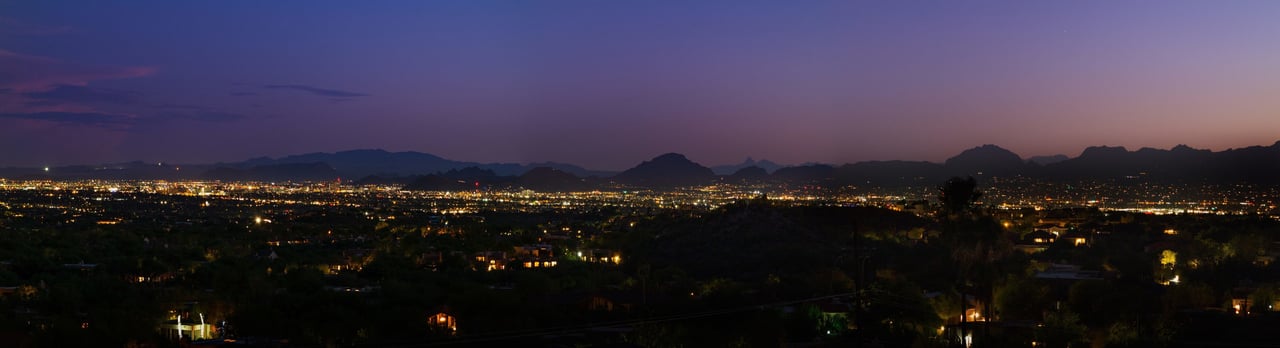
column 975, row 238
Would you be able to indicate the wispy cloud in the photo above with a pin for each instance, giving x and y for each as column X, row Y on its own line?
column 242, row 94
column 204, row 115
column 85, row 94
column 78, row 118
column 23, row 72
column 323, row 92
column 180, row 106
column 43, row 89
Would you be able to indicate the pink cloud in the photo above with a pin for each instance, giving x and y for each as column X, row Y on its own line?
column 21, row 72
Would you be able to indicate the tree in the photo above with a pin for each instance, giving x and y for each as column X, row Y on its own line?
column 958, row 195
column 975, row 239
column 1061, row 329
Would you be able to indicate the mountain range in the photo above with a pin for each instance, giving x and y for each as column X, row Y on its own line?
column 416, row 170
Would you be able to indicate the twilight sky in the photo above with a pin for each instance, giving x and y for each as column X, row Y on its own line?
column 607, row 84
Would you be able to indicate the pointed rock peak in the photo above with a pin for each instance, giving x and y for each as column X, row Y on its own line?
column 749, row 161
column 1183, row 148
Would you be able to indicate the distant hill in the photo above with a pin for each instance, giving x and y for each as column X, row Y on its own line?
column 769, row 167
column 276, row 172
column 891, row 173
column 806, row 174
column 547, row 179
column 1047, row 160
column 362, row 163
column 1254, row 164
column 752, row 174
column 669, row 170
column 381, row 163
column 985, row 160
column 571, row 169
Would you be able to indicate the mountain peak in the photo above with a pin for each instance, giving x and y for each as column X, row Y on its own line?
column 362, row 152
column 670, row 157
column 671, row 169
column 987, row 159
column 1103, row 151
column 730, row 169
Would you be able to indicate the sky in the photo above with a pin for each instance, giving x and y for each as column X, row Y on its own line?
column 607, row 84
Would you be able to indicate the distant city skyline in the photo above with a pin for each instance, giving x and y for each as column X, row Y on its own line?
column 606, row 85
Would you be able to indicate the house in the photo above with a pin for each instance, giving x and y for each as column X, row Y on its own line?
column 186, row 322
column 430, row 260
column 536, row 256
column 613, row 301
column 1074, row 238
column 1067, row 272
column 1039, row 237
column 489, row 260
column 1035, row 241
column 442, row 321
column 605, row 256
column 1056, row 230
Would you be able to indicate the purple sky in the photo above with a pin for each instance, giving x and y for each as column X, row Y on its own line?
column 607, row 84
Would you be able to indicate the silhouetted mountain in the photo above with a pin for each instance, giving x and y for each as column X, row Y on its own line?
column 361, row 163
column 573, row 169
column 985, row 160
column 1255, row 164
column 891, row 173
column 1047, row 160
column 752, row 174
column 549, row 179
column 806, row 174
column 728, row 169
column 668, row 170
column 1095, row 161
column 278, row 172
